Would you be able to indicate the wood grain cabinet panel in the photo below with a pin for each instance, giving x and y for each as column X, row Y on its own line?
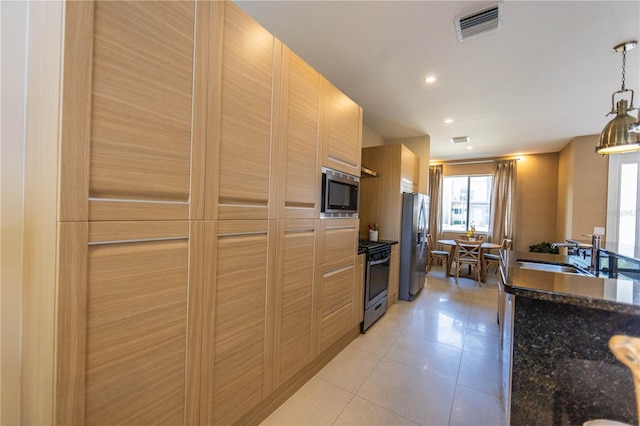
column 244, row 76
column 294, row 297
column 409, row 170
column 136, row 343
column 342, row 137
column 236, row 342
column 336, row 281
column 336, row 285
column 299, row 176
column 338, row 239
column 133, row 125
column 335, row 325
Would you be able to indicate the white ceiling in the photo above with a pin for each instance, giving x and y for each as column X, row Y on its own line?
column 544, row 78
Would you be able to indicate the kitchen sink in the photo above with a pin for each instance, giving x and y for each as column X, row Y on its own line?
column 563, row 268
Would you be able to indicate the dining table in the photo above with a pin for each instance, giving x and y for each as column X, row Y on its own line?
column 452, row 251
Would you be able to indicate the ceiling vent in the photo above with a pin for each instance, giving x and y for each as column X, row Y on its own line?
column 478, row 23
column 460, row 139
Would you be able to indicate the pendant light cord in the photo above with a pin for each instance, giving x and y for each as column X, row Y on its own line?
column 624, row 64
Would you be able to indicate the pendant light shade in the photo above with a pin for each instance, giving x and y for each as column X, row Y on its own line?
column 616, row 137
column 620, row 134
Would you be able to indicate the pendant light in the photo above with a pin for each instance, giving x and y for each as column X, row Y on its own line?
column 617, row 136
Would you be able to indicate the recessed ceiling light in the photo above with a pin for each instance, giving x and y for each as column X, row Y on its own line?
column 430, row 79
column 448, row 120
column 469, row 147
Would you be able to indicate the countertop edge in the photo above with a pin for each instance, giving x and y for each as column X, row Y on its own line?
column 519, row 282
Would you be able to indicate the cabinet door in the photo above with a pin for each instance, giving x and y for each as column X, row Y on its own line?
column 338, row 240
column 294, row 296
column 128, row 327
column 299, row 176
column 409, row 170
column 342, row 126
column 238, row 318
column 336, row 278
column 244, row 77
column 336, row 304
column 133, row 112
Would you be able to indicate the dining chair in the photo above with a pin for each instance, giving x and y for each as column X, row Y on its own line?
column 468, row 253
column 500, row 259
column 435, row 254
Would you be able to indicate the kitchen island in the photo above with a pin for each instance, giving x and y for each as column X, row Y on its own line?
column 558, row 326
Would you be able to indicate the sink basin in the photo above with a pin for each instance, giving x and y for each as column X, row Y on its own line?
column 563, row 268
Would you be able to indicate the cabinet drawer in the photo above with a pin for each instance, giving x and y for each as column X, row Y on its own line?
column 338, row 239
column 336, row 285
column 334, row 325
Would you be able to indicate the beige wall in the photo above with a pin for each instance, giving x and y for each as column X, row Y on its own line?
column 420, row 146
column 582, row 189
column 565, row 192
column 14, row 29
column 370, row 138
column 537, row 200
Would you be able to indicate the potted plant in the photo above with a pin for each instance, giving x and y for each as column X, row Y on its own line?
column 543, row 247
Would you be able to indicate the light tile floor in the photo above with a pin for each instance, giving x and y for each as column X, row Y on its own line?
column 432, row 361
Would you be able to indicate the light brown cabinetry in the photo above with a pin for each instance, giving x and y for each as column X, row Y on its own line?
column 236, row 341
column 342, row 131
column 298, row 184
column 244, row 64
column 294, row 313
column 111, row 324
column 133, row 118
column 381, row 197
column 129, row 315
column 173, row 241
column 336, row 288
column 409, row 170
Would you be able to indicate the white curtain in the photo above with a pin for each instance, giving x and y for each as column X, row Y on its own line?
column 503, row 200
column 435, row 202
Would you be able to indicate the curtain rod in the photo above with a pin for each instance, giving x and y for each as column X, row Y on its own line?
column 458, row 163
column 468, row 162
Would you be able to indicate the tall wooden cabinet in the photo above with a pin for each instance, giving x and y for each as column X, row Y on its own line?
column 300, row 149
column 113, row 177
column 342, row 132
column 381, row 197
column 244, row 63
column 177, row 270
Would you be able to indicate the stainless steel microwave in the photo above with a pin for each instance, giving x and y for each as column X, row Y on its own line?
column 340, row 194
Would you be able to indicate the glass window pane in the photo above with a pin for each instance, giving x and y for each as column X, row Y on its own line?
column 454, row 203
column 466, row 200
column 480, row 202
column 628, row 203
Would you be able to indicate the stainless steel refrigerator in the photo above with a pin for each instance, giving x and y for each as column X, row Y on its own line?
column 413, row 244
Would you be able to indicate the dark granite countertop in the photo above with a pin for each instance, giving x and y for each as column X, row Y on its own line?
column 617, row 295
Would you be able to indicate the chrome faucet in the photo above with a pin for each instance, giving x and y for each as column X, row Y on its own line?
column 595, row 252
column 569, row 243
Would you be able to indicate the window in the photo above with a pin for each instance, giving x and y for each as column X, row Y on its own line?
column 623, row 205
column 466, row 200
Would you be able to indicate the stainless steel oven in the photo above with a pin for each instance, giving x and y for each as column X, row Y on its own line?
column 376, row 286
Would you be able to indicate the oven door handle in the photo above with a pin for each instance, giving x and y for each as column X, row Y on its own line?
column 377, row 262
